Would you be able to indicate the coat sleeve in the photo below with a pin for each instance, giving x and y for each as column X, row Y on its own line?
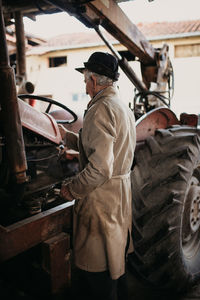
column 98, row 140
column 71, row 140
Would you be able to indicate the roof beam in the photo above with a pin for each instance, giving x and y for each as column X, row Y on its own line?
column 108, row 14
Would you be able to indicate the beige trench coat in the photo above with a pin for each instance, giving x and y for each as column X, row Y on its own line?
column 102, row 189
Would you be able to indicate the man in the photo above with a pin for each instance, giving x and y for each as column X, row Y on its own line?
column 102, row 189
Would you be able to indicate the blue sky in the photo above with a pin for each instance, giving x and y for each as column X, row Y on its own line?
column 138, row 11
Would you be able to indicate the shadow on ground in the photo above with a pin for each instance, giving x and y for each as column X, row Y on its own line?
column 140, row 291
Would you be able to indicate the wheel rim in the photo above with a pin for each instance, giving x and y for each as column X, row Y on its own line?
column 191, row 218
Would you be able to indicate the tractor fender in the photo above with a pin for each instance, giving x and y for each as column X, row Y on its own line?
column 159, row 118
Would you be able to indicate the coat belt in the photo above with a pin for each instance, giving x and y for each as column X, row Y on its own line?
column 123, row 176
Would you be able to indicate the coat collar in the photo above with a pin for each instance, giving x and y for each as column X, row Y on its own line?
column 110, row 90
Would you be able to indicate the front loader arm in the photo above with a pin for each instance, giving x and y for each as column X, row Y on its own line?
column 110, row 16
column 155, row 64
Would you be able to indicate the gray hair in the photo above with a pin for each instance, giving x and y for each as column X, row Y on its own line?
column 101, row 79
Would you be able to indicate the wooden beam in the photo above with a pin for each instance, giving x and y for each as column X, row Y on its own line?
column 108, row 14
column 21, row 51
column 114, row 20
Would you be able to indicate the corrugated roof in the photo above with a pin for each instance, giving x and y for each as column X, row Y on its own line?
column 11, row 39
column 77, row 38
column 169, row 28
column 90, row 37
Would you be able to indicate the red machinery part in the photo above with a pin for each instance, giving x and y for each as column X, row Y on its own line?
column 40, row 123
column 158, row 118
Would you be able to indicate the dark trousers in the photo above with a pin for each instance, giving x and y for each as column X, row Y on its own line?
column 99, row 286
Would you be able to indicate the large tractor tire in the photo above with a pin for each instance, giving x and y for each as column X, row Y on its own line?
column 166, row 209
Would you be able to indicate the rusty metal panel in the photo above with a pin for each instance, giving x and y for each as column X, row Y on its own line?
column 189, row 119
column 40, row 123
column 25, row 234
column 10, row 112
column 159, row 118
column 56, row 261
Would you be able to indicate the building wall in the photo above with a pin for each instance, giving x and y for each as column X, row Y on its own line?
column 66, row 85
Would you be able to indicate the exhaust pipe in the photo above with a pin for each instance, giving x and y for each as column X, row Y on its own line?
column 9, row 110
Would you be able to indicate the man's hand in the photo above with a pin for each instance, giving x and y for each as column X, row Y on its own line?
column 65, row 193
column 62, row 131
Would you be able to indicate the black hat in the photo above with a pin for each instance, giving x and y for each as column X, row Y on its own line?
column 103, row 64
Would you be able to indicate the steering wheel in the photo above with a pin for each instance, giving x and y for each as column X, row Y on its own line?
column 51, row 101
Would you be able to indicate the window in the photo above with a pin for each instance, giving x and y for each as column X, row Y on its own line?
column 75, row 97
column 57, row 61
column 187, row 50
column 79, row 97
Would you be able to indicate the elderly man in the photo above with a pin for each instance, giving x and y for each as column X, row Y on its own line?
column 102, row 188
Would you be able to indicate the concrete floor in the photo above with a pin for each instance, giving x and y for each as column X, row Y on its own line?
column 138, row 291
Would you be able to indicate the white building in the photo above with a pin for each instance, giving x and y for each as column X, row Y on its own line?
column 51, row 66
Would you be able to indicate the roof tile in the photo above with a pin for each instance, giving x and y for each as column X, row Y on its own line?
column 90, row 37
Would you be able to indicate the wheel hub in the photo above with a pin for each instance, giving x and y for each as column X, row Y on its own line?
column 191, row 219
column 195, row 210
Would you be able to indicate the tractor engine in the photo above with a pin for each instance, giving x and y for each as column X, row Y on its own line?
column 46, row 168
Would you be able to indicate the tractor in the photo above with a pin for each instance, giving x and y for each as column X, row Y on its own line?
column 35, row 223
